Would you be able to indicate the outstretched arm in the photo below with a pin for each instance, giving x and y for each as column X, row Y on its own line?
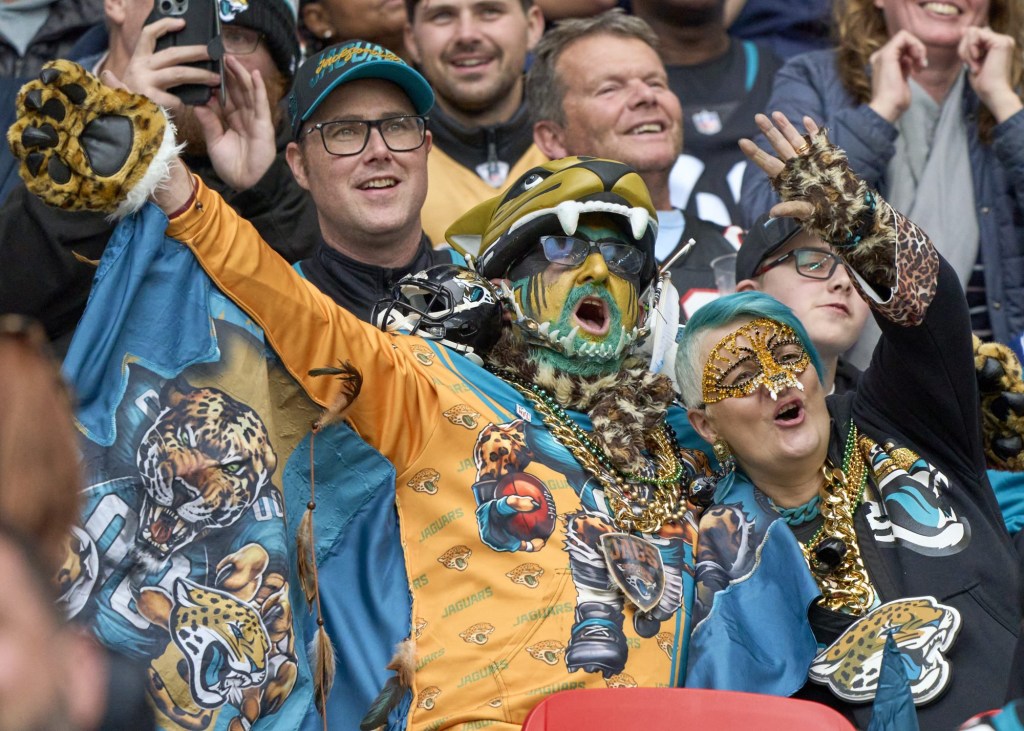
column 922, row 373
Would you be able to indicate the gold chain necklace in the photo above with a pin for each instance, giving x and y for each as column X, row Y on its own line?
column 663, row 501
column 845, row 587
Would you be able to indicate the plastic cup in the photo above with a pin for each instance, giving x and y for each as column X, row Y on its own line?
column 724, row 268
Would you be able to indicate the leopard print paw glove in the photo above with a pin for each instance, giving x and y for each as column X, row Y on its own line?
column 844, row 205
column 86, row 146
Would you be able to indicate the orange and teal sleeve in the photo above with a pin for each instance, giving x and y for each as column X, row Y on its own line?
column 309, row 330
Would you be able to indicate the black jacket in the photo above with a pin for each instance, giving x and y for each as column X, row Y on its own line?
column 933, row 410
column 476, row 147
column 357, row 286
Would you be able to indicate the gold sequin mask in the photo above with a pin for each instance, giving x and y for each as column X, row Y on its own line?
column 760, row 353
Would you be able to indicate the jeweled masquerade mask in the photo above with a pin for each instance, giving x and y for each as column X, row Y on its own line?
column 760, row 353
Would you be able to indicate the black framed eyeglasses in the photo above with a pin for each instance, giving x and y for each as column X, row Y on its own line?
column 811, row 263
column 349, row 136
column 239, row 40
column 622, row 259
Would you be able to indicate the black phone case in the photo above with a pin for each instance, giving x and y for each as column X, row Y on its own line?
column 201, row 27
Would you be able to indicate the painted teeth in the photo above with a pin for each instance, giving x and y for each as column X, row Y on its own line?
column 622, row 341
column 568, row 213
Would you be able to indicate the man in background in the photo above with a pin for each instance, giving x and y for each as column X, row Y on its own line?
column 781, row 259
column 721, row 82
column 473, row 53
column 597, row 87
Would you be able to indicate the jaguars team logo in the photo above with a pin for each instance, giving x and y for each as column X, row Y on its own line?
column 229, row 9
column 924, row 631
column 425, row 481
column 913, row 511
column 462, row 415
column 423, row 354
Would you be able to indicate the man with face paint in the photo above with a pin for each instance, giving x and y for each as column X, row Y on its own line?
column 838, row 523
column 541, row 497
column 591, row 297
column 554, row 460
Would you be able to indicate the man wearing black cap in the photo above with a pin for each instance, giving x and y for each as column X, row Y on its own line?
column 781, row 259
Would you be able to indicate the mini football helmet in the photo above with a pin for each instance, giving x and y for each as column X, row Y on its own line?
column 447, row 303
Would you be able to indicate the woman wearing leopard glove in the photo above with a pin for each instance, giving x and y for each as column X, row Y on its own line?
column 849, row 518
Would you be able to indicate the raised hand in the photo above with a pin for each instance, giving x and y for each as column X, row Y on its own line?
column 240, row 134
column 814, row 180
column 788, row 143
column 86, row 146
column 989, row 58
column 891, row 67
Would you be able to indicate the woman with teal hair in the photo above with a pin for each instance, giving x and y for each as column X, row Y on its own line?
column 837, row 522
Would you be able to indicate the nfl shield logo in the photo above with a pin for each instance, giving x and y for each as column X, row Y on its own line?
column 707, row 122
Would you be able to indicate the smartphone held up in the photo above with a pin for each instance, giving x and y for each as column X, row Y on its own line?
column 202, row 28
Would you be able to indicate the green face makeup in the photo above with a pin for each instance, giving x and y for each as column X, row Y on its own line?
column 588, row 311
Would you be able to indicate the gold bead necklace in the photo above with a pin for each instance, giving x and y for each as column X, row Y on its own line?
column 845, row 587
column 662, row 500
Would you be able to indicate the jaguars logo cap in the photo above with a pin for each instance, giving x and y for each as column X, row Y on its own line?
column 323, row 72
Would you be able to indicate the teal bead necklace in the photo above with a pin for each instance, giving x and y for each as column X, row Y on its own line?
column 801, row 513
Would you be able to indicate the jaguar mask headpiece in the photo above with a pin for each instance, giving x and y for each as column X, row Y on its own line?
column 549, row 200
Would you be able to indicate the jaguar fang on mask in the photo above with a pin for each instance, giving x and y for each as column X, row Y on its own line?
column 760, row 353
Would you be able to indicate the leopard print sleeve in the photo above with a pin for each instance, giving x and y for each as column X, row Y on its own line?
column 891, row 260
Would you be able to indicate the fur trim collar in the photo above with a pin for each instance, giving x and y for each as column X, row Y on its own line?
column 624, row 406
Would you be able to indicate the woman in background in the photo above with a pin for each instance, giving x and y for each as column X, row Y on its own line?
column 923, row 97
